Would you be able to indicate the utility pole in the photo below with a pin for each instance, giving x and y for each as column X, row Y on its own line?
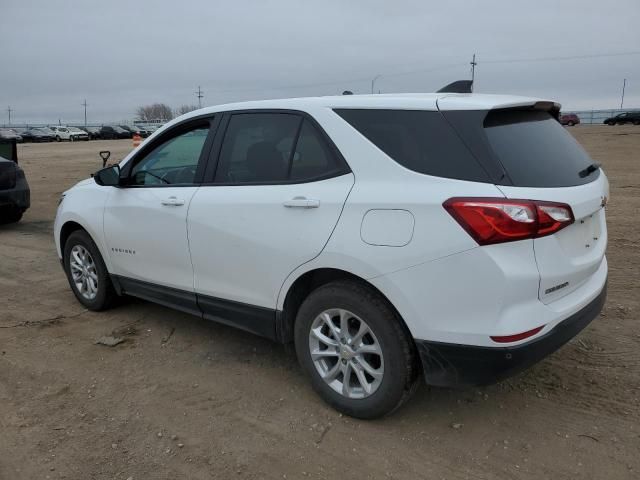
column 624, row 84
column 84, row 104
column 373, row 82
column 199, row 94
column 9, row 110
column 473, row 70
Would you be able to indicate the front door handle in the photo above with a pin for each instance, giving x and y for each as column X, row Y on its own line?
column 172, row 202
column 302, row 202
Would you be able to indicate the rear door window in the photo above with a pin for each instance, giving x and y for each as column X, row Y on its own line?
column 267, row 148
column 419, row 140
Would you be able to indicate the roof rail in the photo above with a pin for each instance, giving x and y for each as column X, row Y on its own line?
column 459, row 86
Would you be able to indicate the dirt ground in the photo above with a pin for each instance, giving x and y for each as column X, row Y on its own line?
column 182, row 398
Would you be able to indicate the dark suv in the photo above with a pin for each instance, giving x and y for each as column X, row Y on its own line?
column 15, row 196
column 114, row 131
column 622, row 118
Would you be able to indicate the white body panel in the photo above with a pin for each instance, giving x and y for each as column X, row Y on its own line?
column 245, row 241
column 145, row 232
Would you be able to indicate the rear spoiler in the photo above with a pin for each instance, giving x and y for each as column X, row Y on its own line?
column 459, row 86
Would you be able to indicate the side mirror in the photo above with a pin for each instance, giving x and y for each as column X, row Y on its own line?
column 108, row 177
column 105, row 154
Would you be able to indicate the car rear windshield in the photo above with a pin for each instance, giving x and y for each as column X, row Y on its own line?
column 419, row 140
column 530, row 146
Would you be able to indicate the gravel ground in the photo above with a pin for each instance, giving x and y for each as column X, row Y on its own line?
column 182, row 398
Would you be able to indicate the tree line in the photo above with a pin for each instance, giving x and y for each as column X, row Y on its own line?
column 162, row 112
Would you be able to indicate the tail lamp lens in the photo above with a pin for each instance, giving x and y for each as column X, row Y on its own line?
column 499, row 220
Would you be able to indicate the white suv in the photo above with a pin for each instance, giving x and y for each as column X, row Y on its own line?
column 69, row 133
column 461, row 237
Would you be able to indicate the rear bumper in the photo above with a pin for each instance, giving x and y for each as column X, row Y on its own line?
column 18, row 197
column 451, row 365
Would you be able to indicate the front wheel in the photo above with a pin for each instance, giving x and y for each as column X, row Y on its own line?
column 87, row 273
column 352, row 344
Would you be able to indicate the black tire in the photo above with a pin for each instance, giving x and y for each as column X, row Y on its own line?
column 636, row 122
column 400, row 361
column 106, row 296
column 10, row 215
column 571, row 124
column 57, row 138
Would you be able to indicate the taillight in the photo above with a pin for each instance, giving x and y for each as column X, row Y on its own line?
column 499, row 220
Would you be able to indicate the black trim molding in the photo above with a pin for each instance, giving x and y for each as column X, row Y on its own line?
column 258, row 320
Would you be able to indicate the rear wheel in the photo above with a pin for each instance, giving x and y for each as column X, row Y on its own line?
column 10, row 215
column 570, row 123
column 352, row 344
column 636, row 122
column 57, row 138
column 87, row 273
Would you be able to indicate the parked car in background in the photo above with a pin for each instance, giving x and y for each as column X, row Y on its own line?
column 93, row 132
column 37, row 135
column 15, row 196
column 622, row 118
column 460, row 238
column 77, row 134
column 569, row 119
column 134, row 129
column 70, row 134
column 10, row 134
column 114, row 132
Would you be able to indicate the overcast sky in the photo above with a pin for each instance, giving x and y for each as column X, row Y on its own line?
column 122, row 54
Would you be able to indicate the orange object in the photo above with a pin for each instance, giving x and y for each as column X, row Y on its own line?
column 136, row 140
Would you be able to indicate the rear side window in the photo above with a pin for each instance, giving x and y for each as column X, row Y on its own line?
column 419, row 140
column 312, row 157
column 535, row 150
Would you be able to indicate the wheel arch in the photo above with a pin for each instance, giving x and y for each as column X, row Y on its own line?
column 306, row 283
column 74, row 224
column 67, row 229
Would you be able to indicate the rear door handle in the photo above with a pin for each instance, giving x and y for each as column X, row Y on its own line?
column 172, row 202
column 302, row 202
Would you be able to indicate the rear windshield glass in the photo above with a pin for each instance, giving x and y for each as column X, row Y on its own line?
column 535, row 150
column 421, row 141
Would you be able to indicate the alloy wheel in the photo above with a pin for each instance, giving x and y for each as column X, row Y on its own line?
column 346, row 353
column 83, row 272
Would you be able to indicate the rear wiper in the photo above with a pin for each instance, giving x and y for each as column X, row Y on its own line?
column 589, row 170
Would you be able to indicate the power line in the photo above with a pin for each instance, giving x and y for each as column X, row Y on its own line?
column 557, row 59
column 425, row 70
